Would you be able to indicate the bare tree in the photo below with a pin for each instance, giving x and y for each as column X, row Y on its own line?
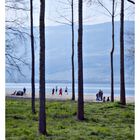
column 15, row 31
column 33, row 58
column 42, row 113
column 122, row 69
column 112, row 15
column 80, row 113
column 69, row 22
column 72, row 57
column 112, row 51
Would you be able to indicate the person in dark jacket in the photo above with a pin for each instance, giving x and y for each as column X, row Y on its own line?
column 53, row 91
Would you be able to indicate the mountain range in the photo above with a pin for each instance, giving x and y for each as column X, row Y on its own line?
column 96, row 54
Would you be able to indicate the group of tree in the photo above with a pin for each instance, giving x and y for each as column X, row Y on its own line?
column 69, row 22
column 80, row 103
column 14, row 31
column 80, row 109
column 42, row 114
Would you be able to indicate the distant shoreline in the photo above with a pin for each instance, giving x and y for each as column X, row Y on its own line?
column 69, row 82
column 87, row 98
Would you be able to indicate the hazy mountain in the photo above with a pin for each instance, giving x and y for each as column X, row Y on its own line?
column 96, row 53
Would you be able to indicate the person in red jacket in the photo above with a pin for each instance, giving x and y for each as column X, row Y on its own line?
column 60, row 91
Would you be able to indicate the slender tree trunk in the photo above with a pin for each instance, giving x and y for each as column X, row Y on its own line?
column 72, row 57
column 122, row 73
column 80, row 113
column 112, row 51
column 42, row 113
column 33, row 58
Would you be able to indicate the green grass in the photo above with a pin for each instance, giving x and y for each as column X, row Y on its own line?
column 103, row 121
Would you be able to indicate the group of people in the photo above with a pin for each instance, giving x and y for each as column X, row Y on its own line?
column 54, row 91
column 100, row 97
column 19, row 93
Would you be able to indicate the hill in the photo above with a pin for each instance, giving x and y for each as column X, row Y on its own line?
column 96, row 53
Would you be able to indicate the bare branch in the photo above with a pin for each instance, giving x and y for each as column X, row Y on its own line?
column 64, row 17
column 62, row 2
column 104, row 7
column 15, row 58
column 16, row 8
column 64, row 23
column 131, row 1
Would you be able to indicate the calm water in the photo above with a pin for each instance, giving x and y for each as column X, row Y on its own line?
column 88, row 88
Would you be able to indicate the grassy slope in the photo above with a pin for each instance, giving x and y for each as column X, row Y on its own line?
column 104, row 121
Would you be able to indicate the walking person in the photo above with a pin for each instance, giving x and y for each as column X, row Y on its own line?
column 24, row 90
column 56, row 89
column 60, row 91
column 66, row 90
column 53, row 91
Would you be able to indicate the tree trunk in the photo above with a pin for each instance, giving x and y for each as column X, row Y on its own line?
column 33, row 58
column 80, row 113
column 112, row 51
column 42, row 113
column 72, row 57
column 122, row 72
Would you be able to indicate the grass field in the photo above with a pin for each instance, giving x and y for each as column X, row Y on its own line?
column 103, row 121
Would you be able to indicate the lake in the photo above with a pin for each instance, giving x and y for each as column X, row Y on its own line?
column 89, row 88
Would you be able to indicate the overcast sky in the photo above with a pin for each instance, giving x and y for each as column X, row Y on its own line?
column 56, row 10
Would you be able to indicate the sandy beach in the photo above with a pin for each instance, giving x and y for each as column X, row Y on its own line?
column 87, row 97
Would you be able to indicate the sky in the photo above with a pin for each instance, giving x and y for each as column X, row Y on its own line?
column 57, row 11
column 92, row 13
